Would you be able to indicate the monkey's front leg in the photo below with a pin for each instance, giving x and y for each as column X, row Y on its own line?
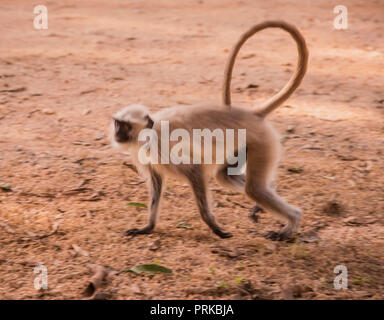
column 155, row 186
column 195, row 177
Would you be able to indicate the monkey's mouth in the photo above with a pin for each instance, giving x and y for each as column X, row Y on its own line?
column 122, row 139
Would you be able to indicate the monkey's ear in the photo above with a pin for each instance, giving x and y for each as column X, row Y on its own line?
column 149, row 122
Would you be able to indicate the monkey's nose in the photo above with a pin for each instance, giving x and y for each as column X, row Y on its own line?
column 121, row 139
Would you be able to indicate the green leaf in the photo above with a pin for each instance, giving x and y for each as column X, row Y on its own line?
column 137, row 204
column 296, row 169
column 6, row 187
column 182, row 102
column 239, row 279
column 358, row 280
column 183, row 224
column 212, row 270
column 149, row 269
column 222, row 284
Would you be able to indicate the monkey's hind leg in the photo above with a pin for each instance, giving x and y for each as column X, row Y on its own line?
column 195, row 176
column 155, row 186
column 237, row 183
column 258, row 188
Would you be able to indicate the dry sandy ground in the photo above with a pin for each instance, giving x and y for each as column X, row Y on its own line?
column 59, row 87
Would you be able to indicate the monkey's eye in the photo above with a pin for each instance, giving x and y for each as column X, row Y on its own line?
column 122, row 126
column 127, row 126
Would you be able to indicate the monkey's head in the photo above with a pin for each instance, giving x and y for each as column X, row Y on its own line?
column 128, row 122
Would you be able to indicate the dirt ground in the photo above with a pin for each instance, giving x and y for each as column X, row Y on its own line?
column 64, row 189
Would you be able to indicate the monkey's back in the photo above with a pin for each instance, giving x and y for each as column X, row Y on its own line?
column 215, row 116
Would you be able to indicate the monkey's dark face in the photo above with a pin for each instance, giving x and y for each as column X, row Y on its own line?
column 128, row 123
column 123, row 131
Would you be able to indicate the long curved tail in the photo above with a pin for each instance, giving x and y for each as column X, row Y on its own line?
column 293, row 82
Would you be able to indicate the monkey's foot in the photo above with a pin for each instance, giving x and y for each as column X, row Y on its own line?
column 279, row 236
column 135, row 232
column 222, row 234
column 254, row 213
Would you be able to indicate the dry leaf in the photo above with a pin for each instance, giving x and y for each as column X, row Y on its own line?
column 155, row 245
column 48, row 111
column 287, row 294
column 135, row 289
column 7, row 228
column 225, row 252
column 100, row 296
column 55, row 227
column 309, row 237
column 80, row 251
column 95, row 282
column 333, row 207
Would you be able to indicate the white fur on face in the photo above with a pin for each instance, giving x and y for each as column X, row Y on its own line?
column 134, row 113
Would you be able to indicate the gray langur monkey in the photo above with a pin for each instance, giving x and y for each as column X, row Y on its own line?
column 262, row 145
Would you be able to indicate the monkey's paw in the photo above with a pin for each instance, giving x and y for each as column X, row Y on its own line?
column 254, row 213
column 279, row 236
column 135, row 232
column 223, row 235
